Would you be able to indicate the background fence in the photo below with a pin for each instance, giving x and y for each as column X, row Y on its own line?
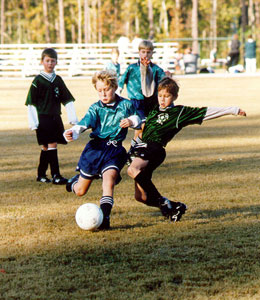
column 23, row 60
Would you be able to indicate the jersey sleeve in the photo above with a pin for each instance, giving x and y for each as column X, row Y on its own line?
column 66, row 95
column 32, row 94
column 134, row 116
column 124, row 78
column 190, row 115
column 90, row 119
column 161, row 74
column 217, row 112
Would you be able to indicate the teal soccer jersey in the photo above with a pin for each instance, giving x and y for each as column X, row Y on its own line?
column 162, row 125
column 132, row 78
column 47, row 95
column 105, row 120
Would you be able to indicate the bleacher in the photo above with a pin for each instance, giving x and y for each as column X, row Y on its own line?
column 23, row 60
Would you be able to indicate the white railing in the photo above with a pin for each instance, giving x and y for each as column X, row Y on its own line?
column 23, row 60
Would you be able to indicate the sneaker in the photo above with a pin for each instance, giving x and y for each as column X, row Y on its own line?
column 58, row 179
column 70, row 182
column 178, row 210
column 105, row 224
column 43, row 179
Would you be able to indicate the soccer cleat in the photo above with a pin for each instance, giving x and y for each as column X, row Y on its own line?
column 178, row 210
column 59, row 180
column 105, row 225
column 43, row 179
column 70, row 182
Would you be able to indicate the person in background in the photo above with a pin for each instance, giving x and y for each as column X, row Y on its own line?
column 250, row 55
column 46, row 94
column 234, row 53
column 141, row 79
column 190, row 61
column 113, row 64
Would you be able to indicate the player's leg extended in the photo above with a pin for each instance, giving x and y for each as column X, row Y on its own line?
column 106, row 202
column 81, row 186
column 137, row 165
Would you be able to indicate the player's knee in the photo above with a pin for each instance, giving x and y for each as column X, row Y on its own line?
column 79, row 191
column 132, row 171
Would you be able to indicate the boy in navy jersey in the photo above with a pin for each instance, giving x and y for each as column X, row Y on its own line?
column 104, row 156
column 46, row 94
column 162, row 124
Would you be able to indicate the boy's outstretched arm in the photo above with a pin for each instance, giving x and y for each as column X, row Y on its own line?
column 242, row 113
column 216, row 112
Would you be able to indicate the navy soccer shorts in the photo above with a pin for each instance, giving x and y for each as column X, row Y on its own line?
column 99, row 156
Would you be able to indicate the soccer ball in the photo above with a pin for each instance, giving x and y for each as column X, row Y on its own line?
column 89, row 216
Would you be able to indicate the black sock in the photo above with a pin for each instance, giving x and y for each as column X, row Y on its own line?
column 106, row 204
column 43, row 163
column 54, row 162
column 153, row 195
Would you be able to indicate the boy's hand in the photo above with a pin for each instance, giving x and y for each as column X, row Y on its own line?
column 242, row 113
column 68, row 135
column 125, row 123
column 145, row 61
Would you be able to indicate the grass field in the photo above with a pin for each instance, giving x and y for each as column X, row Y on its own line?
column 213, row 253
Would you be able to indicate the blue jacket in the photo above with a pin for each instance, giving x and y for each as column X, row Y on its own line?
column 132, row 79
column 250, row 49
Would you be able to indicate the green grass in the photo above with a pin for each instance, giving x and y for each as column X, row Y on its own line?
column 213, row 253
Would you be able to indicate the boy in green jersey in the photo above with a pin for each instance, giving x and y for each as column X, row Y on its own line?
column 47, row 92
column 162, row 124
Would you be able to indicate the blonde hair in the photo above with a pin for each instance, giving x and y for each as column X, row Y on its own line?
column 115, row 50
column 107, row 76
column 146, row 44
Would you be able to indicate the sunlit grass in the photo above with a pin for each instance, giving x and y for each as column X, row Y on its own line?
column 213, row 253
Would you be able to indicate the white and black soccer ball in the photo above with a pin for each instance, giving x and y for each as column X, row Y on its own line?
column 89, row 216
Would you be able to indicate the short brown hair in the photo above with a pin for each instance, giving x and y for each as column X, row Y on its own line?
column 49, row 52
column 107, row 76
column 145, row 44
column 170, row 85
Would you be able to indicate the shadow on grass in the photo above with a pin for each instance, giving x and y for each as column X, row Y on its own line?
column 228, row 213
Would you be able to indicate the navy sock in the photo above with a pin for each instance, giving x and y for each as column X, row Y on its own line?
column 43, row 163
column 54, row 162
column 106, row 204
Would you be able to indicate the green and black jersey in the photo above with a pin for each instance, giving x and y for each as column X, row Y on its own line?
column 163, row 124
column 47, row 94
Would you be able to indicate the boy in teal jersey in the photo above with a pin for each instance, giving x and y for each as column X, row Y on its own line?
column 104, row 156
column 113, row 64
column 162, row 124
column 142, row 80
column 47, row 92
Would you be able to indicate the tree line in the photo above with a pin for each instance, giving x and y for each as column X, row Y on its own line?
column 104, row 21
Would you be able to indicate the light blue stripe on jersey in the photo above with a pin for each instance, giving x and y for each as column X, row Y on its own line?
column 105, row 120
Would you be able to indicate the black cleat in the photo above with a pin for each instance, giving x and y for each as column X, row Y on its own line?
column 177, row 212
column 105, row 224
column 59, row 180
column 165, row 206
column 70, row 182
column 43, row 179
